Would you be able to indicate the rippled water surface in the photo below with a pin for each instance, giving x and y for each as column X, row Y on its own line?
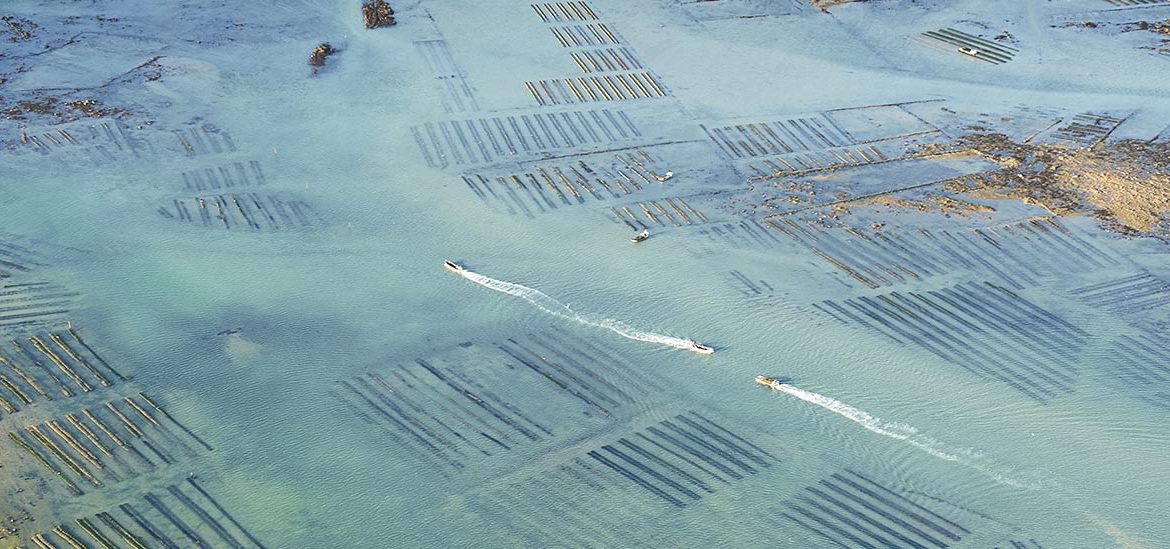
column 245, row 273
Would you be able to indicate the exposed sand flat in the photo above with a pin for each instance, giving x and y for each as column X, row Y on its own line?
column 1125, row 183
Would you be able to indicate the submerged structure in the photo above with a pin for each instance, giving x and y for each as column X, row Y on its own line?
column 222, row 322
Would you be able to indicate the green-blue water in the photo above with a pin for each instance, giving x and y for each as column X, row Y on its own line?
column 292, row 348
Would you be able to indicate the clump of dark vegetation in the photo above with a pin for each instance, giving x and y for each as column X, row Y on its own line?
column 21, row 28
column 323, row 50
column 377, row 13
column 46, row 106
column 1157, row 27
column 1160, row 27
column 91, row 108
column 66, row 111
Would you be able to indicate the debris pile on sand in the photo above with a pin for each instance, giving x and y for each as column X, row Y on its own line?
column 1126, row 184
column 928, row 201
column 377, row 13
column 323, row 50
column 824, row 5
column 1157, row 27
column 1162, row 28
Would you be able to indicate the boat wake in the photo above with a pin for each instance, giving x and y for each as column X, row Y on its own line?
column 549, row 305
column 905, row 433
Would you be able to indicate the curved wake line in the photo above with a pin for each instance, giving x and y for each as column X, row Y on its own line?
column 549, row 305
column 906, row 433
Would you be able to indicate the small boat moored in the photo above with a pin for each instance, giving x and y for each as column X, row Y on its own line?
column 769, row 382
column 701, row 349
column 641, row 236
column 452, row 266
column 969, row 51
column 662, row 178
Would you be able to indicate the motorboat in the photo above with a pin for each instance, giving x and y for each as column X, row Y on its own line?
column 453, row 266
column 701, row 349
column 769, row 382
column 663, row 177
column 641, row 236
column 969, row 51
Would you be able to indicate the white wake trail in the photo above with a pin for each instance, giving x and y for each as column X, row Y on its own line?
column 554, row 307
column 903, row 432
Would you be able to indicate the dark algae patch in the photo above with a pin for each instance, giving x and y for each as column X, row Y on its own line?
column 320, row 53
column 377, row 13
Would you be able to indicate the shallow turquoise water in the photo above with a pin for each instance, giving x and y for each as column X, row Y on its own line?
column 362, row 291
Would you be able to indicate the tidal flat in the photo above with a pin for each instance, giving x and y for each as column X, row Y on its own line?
column 903, row 279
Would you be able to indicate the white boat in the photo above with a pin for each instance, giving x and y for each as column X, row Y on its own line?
column 663, row 177
column 969, row 51
column 641, row 236
column 769, row 382
column 452, row 266
column 701, row 349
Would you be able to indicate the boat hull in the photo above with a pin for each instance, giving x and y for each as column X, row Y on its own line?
column 702, row 349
